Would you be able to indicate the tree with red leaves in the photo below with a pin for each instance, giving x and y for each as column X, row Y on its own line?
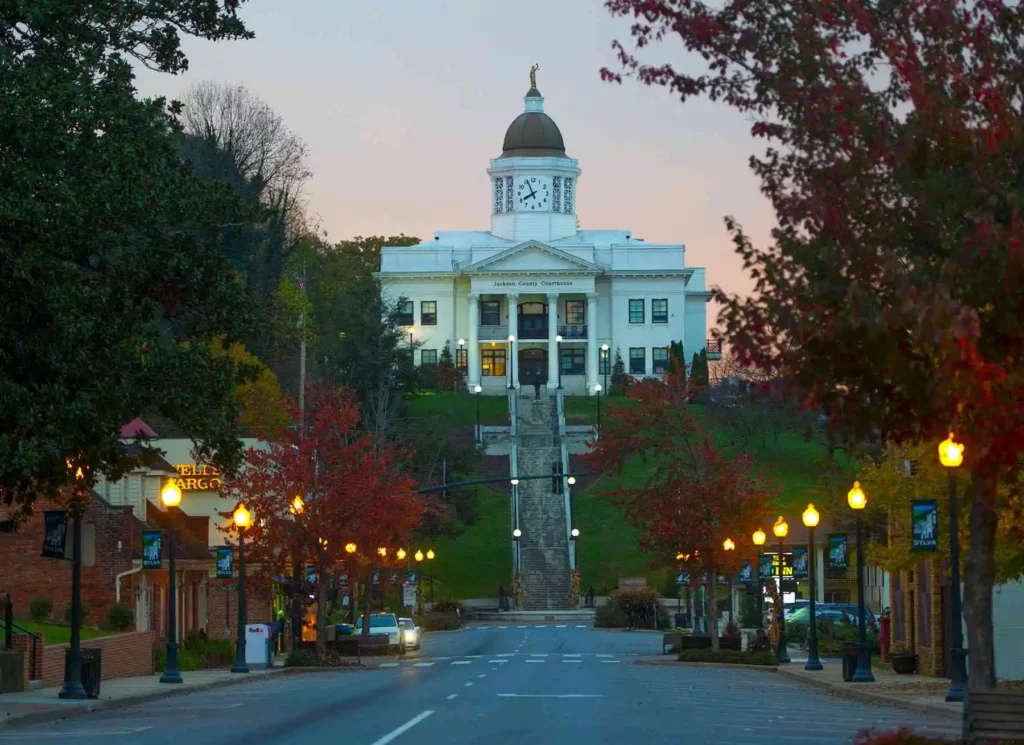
column 893, row 290
column 323, row 485
column 695, row 496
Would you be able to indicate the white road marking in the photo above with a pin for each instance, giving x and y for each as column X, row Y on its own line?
column 407, row 726
column 482, row 675
column 606, row 655
column 539, row 661
column 574, row 659
column 424, row 664
column 74, row 733
column 452, row 695
column 539, row 654
column 470, row 683
column 474, row 656
column 461, row 662
column 507, row 654
column 389, row 664
column 611, row 661
column 560, row 626
column 520, row 627
column 573, row 654
column 495, row 661
column 503, row 627
column 581, row 626
column 549, row 695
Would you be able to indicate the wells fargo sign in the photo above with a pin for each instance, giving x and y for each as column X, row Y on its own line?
column 193, row 477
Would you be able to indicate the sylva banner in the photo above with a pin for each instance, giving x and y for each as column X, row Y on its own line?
column 55, row 536
column 225, row 562
column 800, row 568
column 924, row 520
column 765, row 567
column 151, row 549
column 838, row 557
column 746, row 572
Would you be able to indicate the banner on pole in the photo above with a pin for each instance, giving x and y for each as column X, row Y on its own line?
column 152, row 549
column 765, row 567
column 924, row 521
column 225, row 562
column 55, row 535
column 800, row 567
column 838, row 551
column 683, row 579
column 746, row 572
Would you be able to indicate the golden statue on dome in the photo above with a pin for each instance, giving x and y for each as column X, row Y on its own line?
column 533, row 76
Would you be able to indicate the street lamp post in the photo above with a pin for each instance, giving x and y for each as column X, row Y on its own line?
column 430, row 563
column 811, row 518
column 351, row 548
column 729, row 545
column 558, row 340
column 511, row 363
column 607, row 364
column 951, row 455
column 171, row 497
column 516, row 535
column 242, row 519
column 597, row 388
column 781, row 530
column 759, row 538
column 477, row 389
column 857, row 501
column 575, row 548
column 72, row 688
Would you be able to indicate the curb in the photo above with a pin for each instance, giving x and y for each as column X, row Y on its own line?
column 713, row 665
column 59, row 714
column 847, row 691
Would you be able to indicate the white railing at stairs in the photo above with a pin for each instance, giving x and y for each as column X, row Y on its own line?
column 567, row 496
column 561, row 414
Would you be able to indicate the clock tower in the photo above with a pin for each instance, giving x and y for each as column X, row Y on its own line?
column 533, row 181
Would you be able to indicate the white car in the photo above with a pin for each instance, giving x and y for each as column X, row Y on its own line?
column 386, row 623
column 410, row 632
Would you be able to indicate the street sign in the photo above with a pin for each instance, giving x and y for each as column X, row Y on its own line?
column 151, row 549
column 924, row 519
column 409, row 596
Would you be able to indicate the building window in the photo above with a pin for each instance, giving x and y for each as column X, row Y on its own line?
column 636, row 311
column 574, row 313
column 462, row 358
column 508, row 193
column 406, row 311
column 567, row 195
column 492, row 363
column 604, row 361
column 499, row 194
column 490, row 312
column 428, row 313
column 428, row 356
column 556, row 193
column 659, row 360
column 574, row 361
column 659, row 310
column 637, row 360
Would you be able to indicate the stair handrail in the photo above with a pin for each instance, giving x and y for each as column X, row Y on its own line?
column 567, row 496
column 34, row 639
column 513, row 411
column 561, row 415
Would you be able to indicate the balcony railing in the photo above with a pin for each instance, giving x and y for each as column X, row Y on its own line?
column 714, row 349
column 536, row 333
column 573, row 332
column 494, row 333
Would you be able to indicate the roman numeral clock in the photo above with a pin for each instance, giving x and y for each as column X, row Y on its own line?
column 533, row 194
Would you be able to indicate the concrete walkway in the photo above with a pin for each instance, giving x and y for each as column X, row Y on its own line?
column 44, row 705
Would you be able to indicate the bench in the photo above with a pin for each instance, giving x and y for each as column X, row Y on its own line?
column 670, row 641
column 994, row 715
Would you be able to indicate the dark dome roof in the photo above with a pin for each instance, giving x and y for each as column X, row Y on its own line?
column 533, row 134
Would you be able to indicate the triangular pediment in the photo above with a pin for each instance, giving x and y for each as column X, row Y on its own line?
column 532, row 256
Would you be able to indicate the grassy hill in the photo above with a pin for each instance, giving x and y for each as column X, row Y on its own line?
column 473, row 564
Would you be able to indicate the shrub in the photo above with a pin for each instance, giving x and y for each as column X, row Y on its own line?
column 732, row 631
column 748, row 613
column 633, row 609
column 121, row 616
column 300, row 658
column 39, row 609
column 902, row 736
column 447, row 605
column 208, row 653
column 727, row 656
column 85, row 612
column 438, row 621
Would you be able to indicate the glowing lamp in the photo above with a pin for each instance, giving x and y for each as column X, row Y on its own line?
column 350, row 548
column 728, row 544
column 430, row 554
column 575, row 532
column 297, row 506
column 382, row 551
column 517, row 533
column 400, row 554
column 780, row 528
column 418, row 556
column 571, row 480
column 951, row 454
column 242, row 517
column 171, row 495
column 855, row 497
column 810, row 516
column 758, row 538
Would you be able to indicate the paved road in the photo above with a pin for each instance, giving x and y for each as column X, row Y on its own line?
column 536, row 684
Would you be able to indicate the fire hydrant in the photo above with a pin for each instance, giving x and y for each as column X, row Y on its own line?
column 883, row 634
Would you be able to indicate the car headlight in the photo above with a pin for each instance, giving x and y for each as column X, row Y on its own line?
column 410, row 635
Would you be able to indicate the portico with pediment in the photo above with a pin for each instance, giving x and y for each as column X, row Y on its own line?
column 535, row 299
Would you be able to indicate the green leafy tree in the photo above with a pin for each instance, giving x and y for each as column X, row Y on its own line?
column 619, row 377
column 109, row 245
column 677, row 356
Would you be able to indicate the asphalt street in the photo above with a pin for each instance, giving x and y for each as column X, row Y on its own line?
column 548, row 684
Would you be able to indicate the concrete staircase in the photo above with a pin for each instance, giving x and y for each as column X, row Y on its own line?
column 544, row 548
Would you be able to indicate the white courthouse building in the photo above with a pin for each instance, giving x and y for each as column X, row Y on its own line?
column 535, row 298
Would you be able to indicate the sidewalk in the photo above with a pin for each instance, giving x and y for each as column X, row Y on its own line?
column 43, row 705
column 917, row 692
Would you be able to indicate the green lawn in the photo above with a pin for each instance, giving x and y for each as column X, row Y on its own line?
column 54, row 634
column 460, row 408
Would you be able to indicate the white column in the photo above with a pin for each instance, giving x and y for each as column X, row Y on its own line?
column 591, row 341
column 553, row 361
column 513, row 330
column 819, row 574
column 473, row 356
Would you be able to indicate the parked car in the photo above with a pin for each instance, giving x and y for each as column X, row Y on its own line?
column 385, row 623
column 790, row 608
column 410, row 632
column 834, row 611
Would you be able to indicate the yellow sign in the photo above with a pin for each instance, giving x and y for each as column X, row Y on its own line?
column 787, row 565
column 193, row 477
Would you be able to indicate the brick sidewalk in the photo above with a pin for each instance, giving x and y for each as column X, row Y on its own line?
column 43, row 705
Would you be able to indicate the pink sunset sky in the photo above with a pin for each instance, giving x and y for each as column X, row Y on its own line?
column 403, row 102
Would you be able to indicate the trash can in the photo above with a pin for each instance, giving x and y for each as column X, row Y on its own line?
column 849, row 663
column 92, row 670
column 680, row 620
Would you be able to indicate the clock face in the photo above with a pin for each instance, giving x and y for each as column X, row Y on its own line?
column 533, row 194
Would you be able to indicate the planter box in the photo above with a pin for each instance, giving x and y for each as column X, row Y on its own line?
column 904, row 664
column 704, row 642
column 12, row 671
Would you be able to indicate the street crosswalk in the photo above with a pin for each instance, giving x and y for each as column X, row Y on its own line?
column 484, row 627
column 507, row 657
